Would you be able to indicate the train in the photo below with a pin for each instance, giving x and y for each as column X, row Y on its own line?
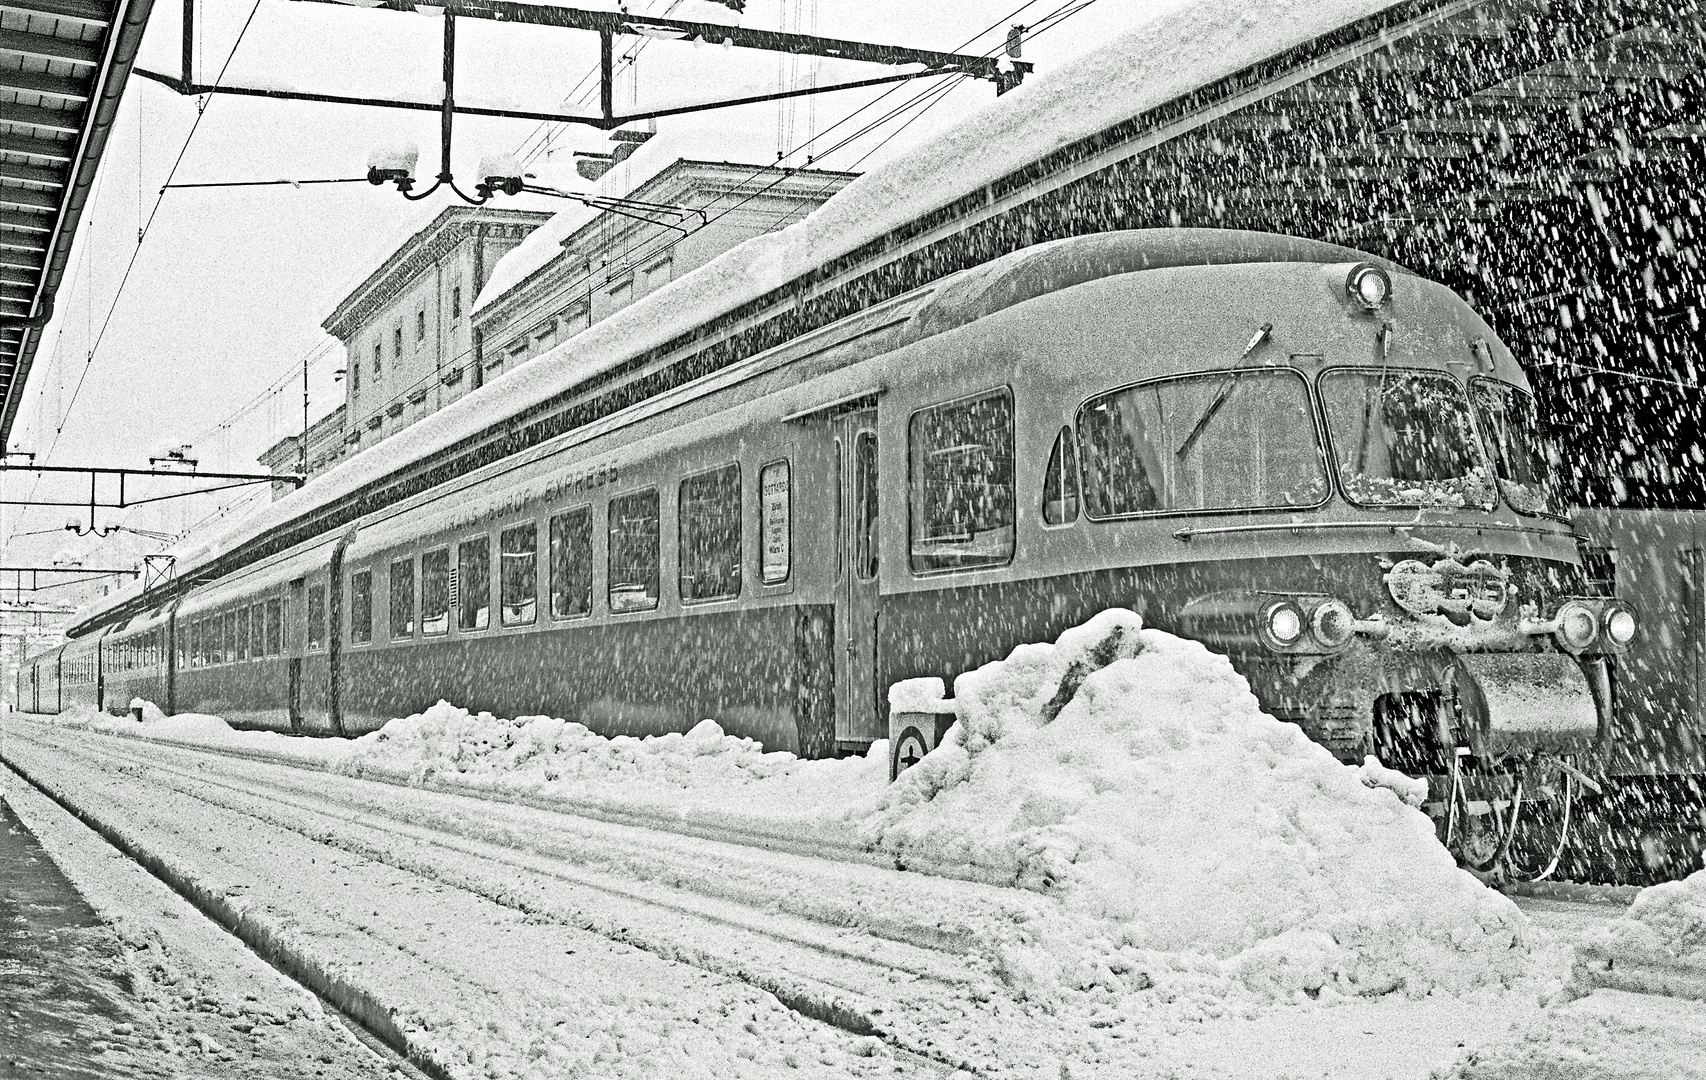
column 1317, row 462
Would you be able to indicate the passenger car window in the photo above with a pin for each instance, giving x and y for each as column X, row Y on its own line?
column 435, row 591
column 402, row 600
column 960, row 483
column 275, row 627
column 709, row 528
column 1226, row 440
column 518, row 573
column 775, row 509
column 571, row 563
column 1404, row 438
column 361, row 607
column 474, row 583
column 1511, row 422
column 316, row 616
column 633, row 561
column 1060, row 482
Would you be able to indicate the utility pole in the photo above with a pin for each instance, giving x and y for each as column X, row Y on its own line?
column 303, row 469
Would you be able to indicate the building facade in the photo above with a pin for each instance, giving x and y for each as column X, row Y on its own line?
column 326, row 447
column 684, row 216
column 406, row 330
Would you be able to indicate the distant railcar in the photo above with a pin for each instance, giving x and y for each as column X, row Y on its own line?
column 1316, row 462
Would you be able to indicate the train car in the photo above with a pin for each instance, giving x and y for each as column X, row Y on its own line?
column 133, row 663
column 1310, row 459
column 1653, row 814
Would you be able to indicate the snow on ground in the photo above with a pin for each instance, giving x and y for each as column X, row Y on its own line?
column 1666, row 924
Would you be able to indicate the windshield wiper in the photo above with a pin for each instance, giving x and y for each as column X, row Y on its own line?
column 1227, row 385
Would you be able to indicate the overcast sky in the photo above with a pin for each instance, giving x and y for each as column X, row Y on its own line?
column 229, row 287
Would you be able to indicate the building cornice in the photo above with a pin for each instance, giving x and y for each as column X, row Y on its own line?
column 437, row 239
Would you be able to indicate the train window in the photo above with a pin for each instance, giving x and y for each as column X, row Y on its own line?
column 435, row 591
column 775, row 509
column 257, row 631
column 240, row 645
column 571, row 563
column 316, row 616
column 708, row 516
column 840, row 527
column 1060, row 482
column 633, row 556
column 1511, row 422
column 1229, row 440
column 474, row 582
column 518, row 574
column 275, row 627
column 403, row 598
column 960, row 483
column 865, row 504
column 1404, row 438
column 361, row 607
column 230, row 637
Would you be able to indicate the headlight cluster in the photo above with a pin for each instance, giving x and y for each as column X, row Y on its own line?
column 1306, row 624
column 1593, row 625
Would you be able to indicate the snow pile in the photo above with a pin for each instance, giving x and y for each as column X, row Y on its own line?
column 1609, row 1034
column 1173, row 817
column 191, row 728
column 447, row 741
column 1658, row 946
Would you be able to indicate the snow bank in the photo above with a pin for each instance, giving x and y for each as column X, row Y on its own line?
column 1658, row 946
column 1609, row 1034
column 1172, row 816
column 192, row 728
column 1179, row 49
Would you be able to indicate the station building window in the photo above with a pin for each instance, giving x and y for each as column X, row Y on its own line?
column 316, row 616
column 378, row 357
column 1060, row 482
column 420, row 325
column 775, row 508
column 403, row 598
column 397, row 342
column 960, row 483
column 709, row 535
column 435, row 591
column 518, row 574
column 275, row 627
column 456, row 302
column 474, row 581
column 571, row 563
column 633, row 555
column 361, row 607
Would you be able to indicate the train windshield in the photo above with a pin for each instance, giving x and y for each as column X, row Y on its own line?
column 1243, row 440
column 1405, row 438
column 1511, row 421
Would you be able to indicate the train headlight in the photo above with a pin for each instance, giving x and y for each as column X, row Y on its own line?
column 1333, row 624
column 1285, row 623
column 1620, row 625
column 1368, row 285
column 1578, row 625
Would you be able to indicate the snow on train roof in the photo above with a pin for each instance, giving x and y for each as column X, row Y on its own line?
column 1178, row 50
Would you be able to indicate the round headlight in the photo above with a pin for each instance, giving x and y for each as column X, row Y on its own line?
column 1285, row 623
column 1620, row 626
column 1577, row 626
column 1333, row 624
column 1368, row 285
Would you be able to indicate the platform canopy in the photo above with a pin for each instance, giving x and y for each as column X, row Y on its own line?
column 63, row 67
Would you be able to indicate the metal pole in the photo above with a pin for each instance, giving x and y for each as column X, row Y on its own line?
column 303, row 468
column 189, row 41
column 606, row 62
column 449, row 97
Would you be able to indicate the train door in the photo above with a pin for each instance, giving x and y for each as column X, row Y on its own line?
column 858, row 718
column 296, row 645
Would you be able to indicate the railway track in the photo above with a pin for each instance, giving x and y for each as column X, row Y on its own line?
column 869, row 950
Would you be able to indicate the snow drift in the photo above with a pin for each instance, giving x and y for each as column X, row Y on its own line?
column 1172, row 816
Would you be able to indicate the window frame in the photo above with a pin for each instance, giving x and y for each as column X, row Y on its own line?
column 1003, row 389
column 391, row 565
column 681, row 537
column 316, row 614
column 1491, row 448
column 591, row 563
column 1065, row 440
column 1477, row 440
column 420, row 589
column 364, row 572
column 1317, row 420
column 610, row 549
column 481, row 538
column 503, row 622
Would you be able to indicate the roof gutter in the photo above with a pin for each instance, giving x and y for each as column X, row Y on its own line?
column 124, row 37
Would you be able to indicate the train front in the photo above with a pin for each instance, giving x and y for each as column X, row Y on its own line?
column 1425, row 600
